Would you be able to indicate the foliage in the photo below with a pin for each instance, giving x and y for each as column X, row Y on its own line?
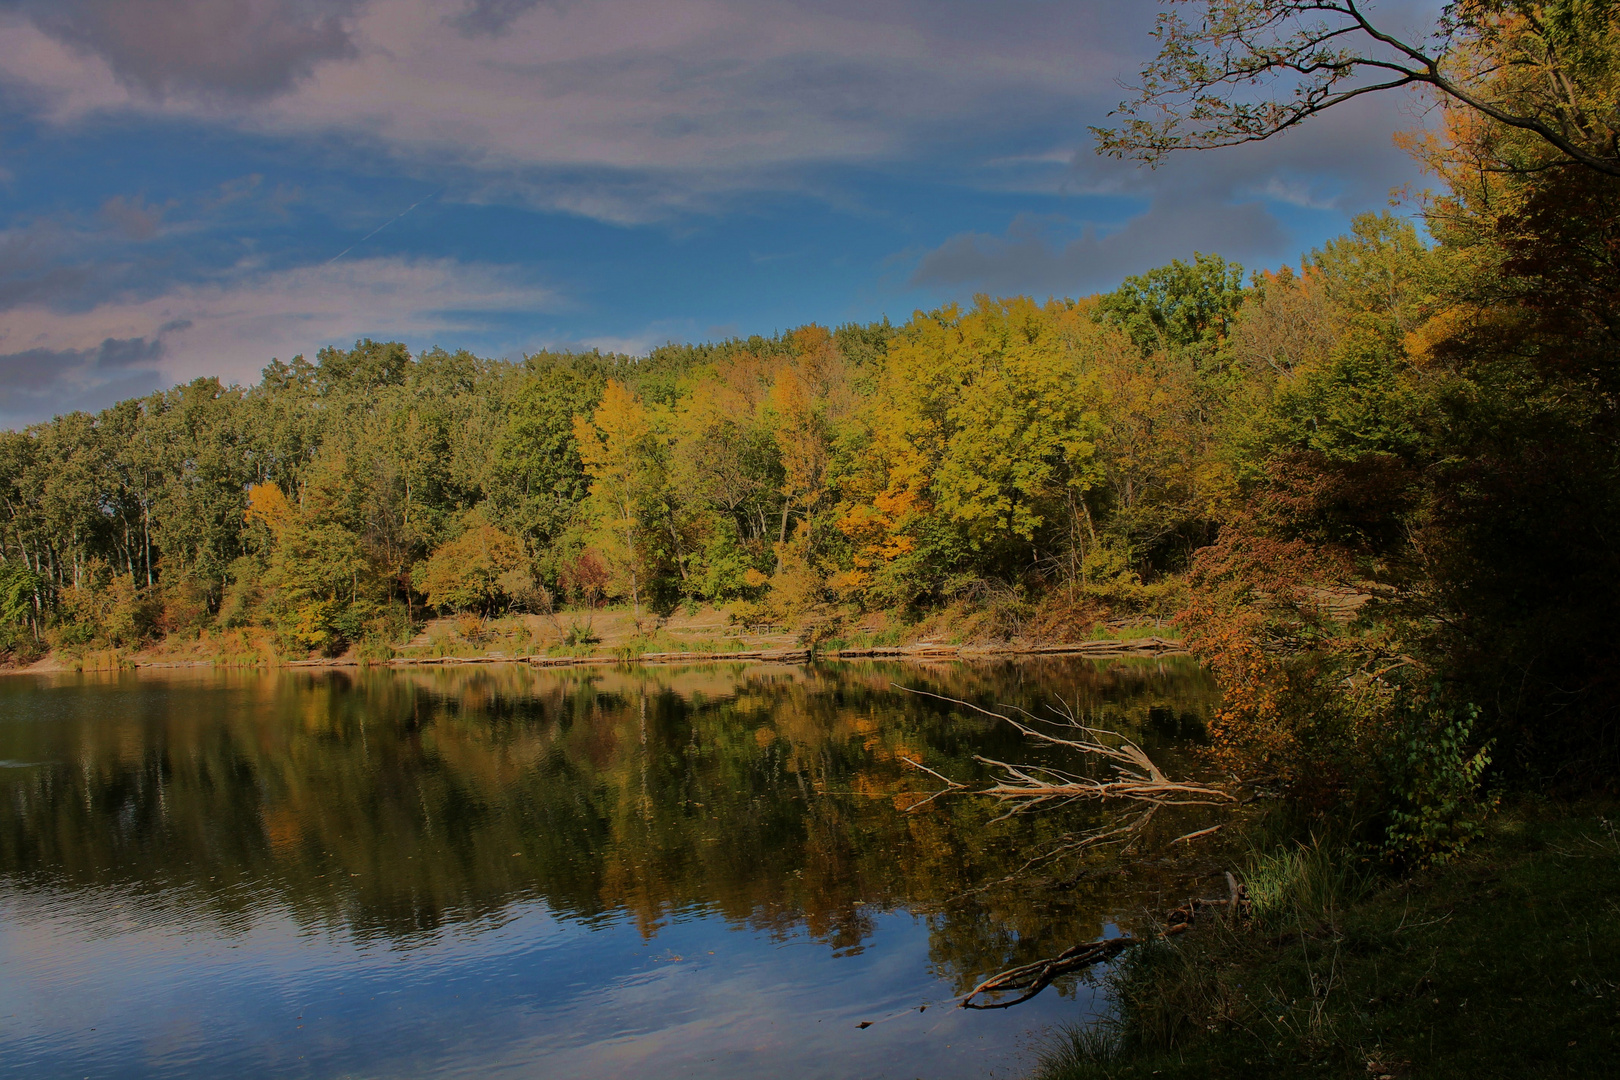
column 1178, row 307
column 18, row 587
column 1034, row 447
column 1434, row 777
column 1381, row 484
column 475, row 571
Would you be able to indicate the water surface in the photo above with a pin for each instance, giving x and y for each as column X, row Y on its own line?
column 498, row 871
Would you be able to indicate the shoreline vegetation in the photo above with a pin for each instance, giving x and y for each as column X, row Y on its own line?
column 586, row 638
column 1433, row 889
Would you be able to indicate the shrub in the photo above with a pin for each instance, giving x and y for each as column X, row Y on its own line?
column 184, row 605
column 1433, row 787
column 585, row 579
column 108, row 610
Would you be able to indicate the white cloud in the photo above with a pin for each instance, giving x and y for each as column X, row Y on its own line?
column 233, row 327
column 710, row 95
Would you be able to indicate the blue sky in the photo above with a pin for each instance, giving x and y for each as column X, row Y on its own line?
column 192, row 187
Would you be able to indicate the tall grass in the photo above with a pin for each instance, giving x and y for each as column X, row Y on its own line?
column 1306, row 883
column 1168, row 992
column 881, row 639
column 1080, row 1050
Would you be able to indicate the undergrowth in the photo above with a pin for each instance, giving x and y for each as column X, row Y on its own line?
column 1499, row 963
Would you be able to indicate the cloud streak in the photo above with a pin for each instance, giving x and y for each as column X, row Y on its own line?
column 1032, row 257
column 669, row 98
column 51, row 358
column 1224, row 201
column 207, row 49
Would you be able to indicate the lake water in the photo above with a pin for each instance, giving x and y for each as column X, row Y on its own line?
column 500, row 871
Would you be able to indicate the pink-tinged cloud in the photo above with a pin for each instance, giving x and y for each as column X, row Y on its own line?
column 207, row 48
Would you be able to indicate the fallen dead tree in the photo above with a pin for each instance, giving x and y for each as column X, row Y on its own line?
column 1035, row 977
column 1133, row 777
column 1130, row 777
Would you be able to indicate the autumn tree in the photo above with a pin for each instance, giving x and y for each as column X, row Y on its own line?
column 984, row 425
column 623, row 455
column 475, row 571
column 1442, row 439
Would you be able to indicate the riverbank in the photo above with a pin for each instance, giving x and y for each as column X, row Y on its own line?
column 586, row 638
column 1502, row 964
column 1101, row 649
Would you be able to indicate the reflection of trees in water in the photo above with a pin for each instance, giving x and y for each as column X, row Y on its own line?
column 398, row 803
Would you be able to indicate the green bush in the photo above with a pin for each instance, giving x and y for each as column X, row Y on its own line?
column 1435, row 809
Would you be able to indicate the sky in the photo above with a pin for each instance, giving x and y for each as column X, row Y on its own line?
column 195, row 187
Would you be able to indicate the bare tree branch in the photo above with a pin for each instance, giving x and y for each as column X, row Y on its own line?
column 1246, row 70
column 1033, row 978
column 1025, row 787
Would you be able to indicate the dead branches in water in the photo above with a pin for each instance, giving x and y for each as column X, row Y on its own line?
column 1033, row 978
column 1134, row 777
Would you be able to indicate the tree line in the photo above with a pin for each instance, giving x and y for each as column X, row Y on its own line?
column 1009, row 445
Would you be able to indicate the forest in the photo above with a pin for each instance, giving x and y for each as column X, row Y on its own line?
column 1059, row 459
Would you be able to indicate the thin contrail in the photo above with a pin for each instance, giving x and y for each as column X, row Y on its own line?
column 383, row 226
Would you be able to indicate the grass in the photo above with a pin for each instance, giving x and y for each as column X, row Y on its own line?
column 882, row 639
column 1501, row 964
column 662, row 642
column 100, row 660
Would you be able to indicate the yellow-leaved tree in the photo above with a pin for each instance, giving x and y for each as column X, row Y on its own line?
column 471, row 571
column 985, row 423
column 324, row 587
column 621, row 451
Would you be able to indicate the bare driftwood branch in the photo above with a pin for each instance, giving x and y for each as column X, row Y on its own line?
column 1190, row 837
column 1033, row 978
column 950, row 785
column 1024, row 787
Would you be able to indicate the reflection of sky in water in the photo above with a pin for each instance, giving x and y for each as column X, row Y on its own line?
column 532, row 996
column 638, row 873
